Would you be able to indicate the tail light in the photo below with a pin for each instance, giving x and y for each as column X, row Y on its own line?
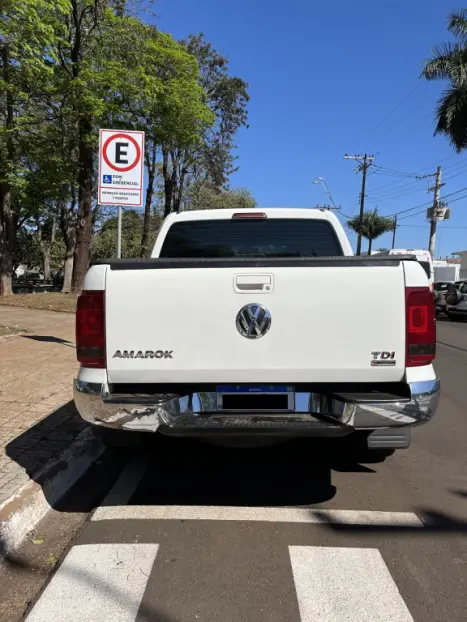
column 90, row 329
column 420, row 326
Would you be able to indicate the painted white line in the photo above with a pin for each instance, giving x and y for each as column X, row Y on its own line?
column 97, row 582
column 345, row 584
column 123, row 489
column 280, row 515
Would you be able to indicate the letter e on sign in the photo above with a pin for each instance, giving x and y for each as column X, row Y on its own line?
column 121, row 167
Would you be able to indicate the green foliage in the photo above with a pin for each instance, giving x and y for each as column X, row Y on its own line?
column 228, row 99
column 69, row 67
column 104, row 245
column 29, row 33
column 449, row 62
column 211, row 158
column 202, row 195
column 373, row 225
column 27, row 251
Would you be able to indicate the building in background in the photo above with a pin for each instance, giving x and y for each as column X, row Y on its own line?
column 446, row 270
column 463, row 263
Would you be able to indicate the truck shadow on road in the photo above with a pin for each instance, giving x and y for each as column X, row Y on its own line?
column 43, row 442
column 190, row 472
column 186, row 471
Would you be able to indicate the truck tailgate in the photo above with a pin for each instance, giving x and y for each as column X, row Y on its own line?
column 178, row 325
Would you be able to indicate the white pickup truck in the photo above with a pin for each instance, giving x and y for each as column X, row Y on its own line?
column 257, row 324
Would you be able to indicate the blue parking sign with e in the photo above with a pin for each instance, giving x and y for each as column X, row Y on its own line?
column 107, row 179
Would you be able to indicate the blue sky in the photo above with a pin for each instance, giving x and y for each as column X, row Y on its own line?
column 328, row 79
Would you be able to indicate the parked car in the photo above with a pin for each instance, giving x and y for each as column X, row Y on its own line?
column 440, row 290
column 456, row 300
column 255, row 325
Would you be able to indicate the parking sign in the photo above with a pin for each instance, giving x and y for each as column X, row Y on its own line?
column 121, row 164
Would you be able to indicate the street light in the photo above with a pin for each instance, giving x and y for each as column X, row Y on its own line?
column 322, row 182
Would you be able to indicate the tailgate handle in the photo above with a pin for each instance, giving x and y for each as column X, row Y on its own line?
column 244, row 283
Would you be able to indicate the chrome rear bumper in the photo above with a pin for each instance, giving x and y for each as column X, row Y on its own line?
column 315, row 415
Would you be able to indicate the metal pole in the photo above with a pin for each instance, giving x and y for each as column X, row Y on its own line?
column 394, row 232
column 431, row 244
column 119, row 232
column 367, row 160
column 362, row 206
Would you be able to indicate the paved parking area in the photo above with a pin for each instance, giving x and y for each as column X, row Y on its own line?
column 36, row 372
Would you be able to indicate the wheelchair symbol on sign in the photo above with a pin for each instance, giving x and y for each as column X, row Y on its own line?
column 107, row 179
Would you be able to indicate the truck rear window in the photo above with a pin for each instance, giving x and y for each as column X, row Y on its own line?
column 269, row 237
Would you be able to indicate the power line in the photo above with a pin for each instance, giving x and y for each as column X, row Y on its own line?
column 457, row 172
column 391, row 187
column 396, row 195
column 428, row 224
column 382, row 170
column 427, row 203
column 396, row 108
column 399, row 123
column 418, row 173
column 411, row 188
column 423, row 211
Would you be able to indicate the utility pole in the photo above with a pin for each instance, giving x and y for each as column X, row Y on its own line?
column 394, row 232
column 433, row 220
column 365, row 164
column 119, row 232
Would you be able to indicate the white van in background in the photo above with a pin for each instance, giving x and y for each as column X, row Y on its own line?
column 423, row 257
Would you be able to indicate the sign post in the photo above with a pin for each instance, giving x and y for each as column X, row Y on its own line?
column 119, row 232
column 121, row 165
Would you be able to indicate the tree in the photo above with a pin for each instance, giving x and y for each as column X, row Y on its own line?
column 373, row 225
column 449, row 62
column 118, row 72
column 202, row 195
column 68, row 67
column 174, row 115
column 27, row 251
column 104, row 243
column 210, row 159
column 29, row 33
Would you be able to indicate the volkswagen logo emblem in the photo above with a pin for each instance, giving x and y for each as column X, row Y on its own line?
column 253, row 321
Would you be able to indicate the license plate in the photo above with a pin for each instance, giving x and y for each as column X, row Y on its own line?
column 259, row 398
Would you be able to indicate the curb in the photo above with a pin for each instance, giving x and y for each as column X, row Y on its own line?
column 18, row 334
column 22, row 511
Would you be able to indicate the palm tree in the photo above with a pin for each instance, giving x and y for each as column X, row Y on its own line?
column 449, row 62
column 373, row 225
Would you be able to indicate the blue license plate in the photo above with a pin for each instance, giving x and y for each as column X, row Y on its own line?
column 254, row 388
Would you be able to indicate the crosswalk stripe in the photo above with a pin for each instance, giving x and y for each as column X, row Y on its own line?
column 97, row 582
column 345, row 585
column 281, row 515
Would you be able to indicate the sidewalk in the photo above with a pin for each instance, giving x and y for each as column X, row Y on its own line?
column 36, row 374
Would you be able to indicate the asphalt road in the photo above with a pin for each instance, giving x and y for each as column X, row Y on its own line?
column 296, row 532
